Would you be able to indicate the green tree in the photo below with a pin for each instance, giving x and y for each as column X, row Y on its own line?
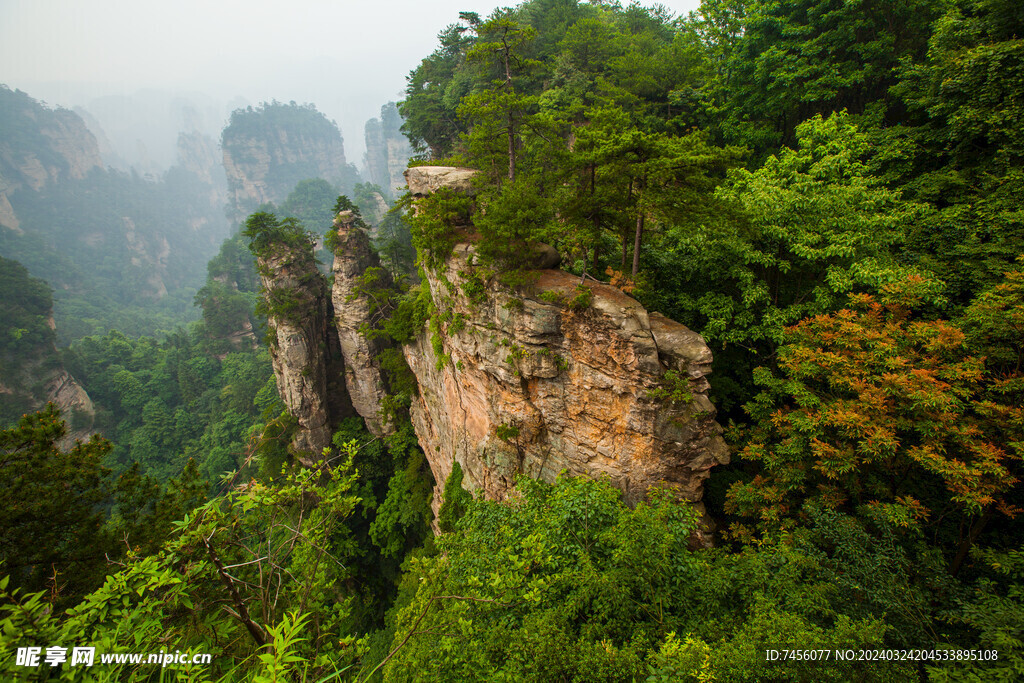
column 801, row 58
column 498, row 112
column 959, row 152
column 310, row 202
column 50, row 520
column 812, row 225
column 456, row 500
column 567, row 582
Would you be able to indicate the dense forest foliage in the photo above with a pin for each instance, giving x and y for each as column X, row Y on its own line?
column 828, row 191
column 26, row 307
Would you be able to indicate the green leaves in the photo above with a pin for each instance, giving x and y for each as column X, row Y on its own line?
column 268, row 235
column 564, row 581
column 455, row 501
column 50, row 524
column 282, row 656
column 811, row 225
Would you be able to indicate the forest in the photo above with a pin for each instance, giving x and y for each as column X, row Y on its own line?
column 828, row 192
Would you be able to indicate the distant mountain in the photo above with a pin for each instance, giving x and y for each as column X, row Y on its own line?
column 387, row 151
column 269, row 149
column 120, row 250
column 39, row 147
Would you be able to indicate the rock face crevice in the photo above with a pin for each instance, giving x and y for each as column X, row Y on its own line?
column 308, row 365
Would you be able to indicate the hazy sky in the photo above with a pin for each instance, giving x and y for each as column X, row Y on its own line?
column 347, row 57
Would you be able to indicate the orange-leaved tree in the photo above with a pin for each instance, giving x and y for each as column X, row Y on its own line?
column 874, row 410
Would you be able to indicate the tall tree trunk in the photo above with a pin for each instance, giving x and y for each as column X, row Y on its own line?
column 511, row 150
column 636, row 242
column 629, row 195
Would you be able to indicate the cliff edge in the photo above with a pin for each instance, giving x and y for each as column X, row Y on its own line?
column 551, row 375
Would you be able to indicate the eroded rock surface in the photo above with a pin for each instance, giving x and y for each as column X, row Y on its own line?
column 308, row 365
column 267, row 151
column 550, row 377
column 363, row 377
column 387, row 150
column 425, row 180
column 537, row 382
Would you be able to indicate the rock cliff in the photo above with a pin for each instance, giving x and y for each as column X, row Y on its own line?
column 363, row 377
column 544, row 377
column 541, row 380
column 39, row 146
column 270, row 149
column 304, row 348
column 107, row 240
column 387, row 150
column 552, row 377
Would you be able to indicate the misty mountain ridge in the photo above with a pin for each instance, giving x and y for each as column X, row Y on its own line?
column 134, row 255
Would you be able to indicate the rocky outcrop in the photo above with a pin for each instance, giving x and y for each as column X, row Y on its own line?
column 75, row 405
column 541, row 381
column 58, row 387
column 39, row 146
column 8, row 218
column 268, row 150
column 543, row 378
column 387, row 150
column 363, row 377
column 425, row 180
column 304, row 349
column 554, row 377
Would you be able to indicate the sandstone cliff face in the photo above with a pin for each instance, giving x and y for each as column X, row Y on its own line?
column 387, row 150
column 363, row 376
column 62, row 389
column 551, row 378
column 307, row 359
column 425, row 180
column 268, row 150
column 532, row 386
column 59, row 388
column 39, row 146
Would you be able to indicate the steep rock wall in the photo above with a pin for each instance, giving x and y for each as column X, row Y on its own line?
column 550, row 377
column 387, row 150
column 304, row 349
column 363, row 377
column 270, row 149
column 39, row 146
column 529, row 383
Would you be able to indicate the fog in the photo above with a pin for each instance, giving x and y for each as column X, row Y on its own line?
column 146, row 70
